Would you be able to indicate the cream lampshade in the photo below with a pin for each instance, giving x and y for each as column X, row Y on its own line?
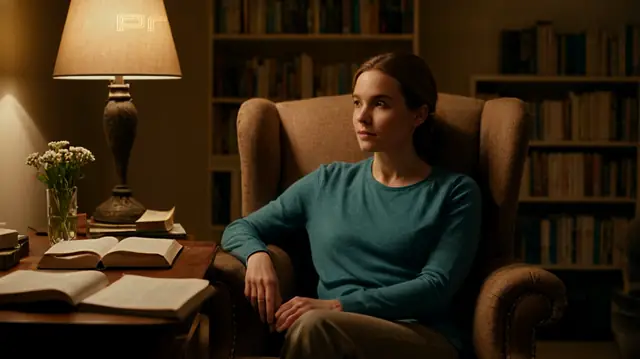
column 118, row 40
column 103, row 39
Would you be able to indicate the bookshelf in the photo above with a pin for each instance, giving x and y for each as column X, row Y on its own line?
column 579, row 188
column 286, row 50
column 581, row 166
column 580, row 181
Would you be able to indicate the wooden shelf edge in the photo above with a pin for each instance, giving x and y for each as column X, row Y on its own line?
column 240, row 100
column 578, row 267
column 554, row 79
column 312, row 37
column 229, row 100
column 594, row 200
column 571, row 143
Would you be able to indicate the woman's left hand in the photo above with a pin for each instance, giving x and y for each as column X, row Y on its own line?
column 290, row 311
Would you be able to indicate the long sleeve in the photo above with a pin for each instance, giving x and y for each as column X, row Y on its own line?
column 444, row 272
column 289, row 211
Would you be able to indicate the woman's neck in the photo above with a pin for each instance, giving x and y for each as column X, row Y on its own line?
column 398, row 170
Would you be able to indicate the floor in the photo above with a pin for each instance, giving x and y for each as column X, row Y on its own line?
column 582, row 350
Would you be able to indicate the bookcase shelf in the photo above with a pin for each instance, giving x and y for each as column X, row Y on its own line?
column 260, row 51
column 577, row 200
column 228, row 100
column 313, row 37
column 580, row 180
column 586, row 156
column 584, row 144
column 555, row 79
column 579, row 267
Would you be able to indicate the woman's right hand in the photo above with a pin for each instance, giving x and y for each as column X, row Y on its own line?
column 261, row 286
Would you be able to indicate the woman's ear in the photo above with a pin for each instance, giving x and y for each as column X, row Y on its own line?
column 421, row 115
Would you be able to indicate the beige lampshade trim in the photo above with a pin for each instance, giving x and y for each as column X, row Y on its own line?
column 112, row 77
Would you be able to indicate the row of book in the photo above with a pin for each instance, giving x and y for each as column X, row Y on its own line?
column 297, row 16
column 541, row 50
column 598, row 115
column 566, row 239
column 264, row 16
column 265, row 77
column 273, row 78
column 577, row 175
column 225, row 132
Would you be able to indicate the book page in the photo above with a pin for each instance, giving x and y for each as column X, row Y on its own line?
column 77, row 285
column 155, row 216
column 98, row 246
column 142, row 293
column 144, row 245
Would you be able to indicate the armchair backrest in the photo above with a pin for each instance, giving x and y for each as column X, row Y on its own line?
column 279, row 143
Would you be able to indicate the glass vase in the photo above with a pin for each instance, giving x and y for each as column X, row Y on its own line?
column 62, row 214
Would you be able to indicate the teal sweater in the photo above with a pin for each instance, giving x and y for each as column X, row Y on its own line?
column 397, row 253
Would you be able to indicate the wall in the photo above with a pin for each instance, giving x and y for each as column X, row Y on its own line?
column 30, row 108
column 460, row 38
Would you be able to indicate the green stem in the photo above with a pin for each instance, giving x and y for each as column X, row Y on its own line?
column 61, row 199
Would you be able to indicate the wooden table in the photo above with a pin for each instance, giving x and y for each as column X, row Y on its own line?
column 110, row 333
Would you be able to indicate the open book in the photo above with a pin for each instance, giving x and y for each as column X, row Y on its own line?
column 108, row 252
column 90, row 291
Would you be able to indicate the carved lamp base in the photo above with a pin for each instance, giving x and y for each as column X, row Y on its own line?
column 120, row 208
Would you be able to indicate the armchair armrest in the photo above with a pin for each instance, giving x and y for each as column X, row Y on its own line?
column 235, row 328
column 513, row 301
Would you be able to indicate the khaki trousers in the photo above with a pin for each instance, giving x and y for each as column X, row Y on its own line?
column 324, row 334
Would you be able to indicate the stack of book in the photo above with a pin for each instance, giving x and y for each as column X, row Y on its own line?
column 152, row 223
column 13, row 246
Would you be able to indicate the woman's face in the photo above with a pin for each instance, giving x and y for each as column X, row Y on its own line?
column 381, row 119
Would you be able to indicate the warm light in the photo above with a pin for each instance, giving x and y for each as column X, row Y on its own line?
column 107, row 38
column 22, row 199
column 15, row 123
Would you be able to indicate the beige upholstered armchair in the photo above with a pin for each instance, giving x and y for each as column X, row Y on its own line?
column 501, row 304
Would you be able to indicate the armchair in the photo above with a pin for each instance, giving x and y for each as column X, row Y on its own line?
column 501, row 303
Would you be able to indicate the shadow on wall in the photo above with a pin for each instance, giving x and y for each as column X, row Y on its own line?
column 22, row 196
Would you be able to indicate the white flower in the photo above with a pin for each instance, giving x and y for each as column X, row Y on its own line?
column 33, row 159
column 60, row 163
column 56, row 145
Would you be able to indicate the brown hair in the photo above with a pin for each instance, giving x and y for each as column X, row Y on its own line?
column 418, row 87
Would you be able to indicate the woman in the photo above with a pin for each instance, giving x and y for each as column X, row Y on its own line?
column 392, row 237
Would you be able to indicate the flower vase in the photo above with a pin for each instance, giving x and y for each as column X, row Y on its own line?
column 62, row 214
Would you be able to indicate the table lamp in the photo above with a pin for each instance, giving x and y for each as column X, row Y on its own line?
column 117, row 40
